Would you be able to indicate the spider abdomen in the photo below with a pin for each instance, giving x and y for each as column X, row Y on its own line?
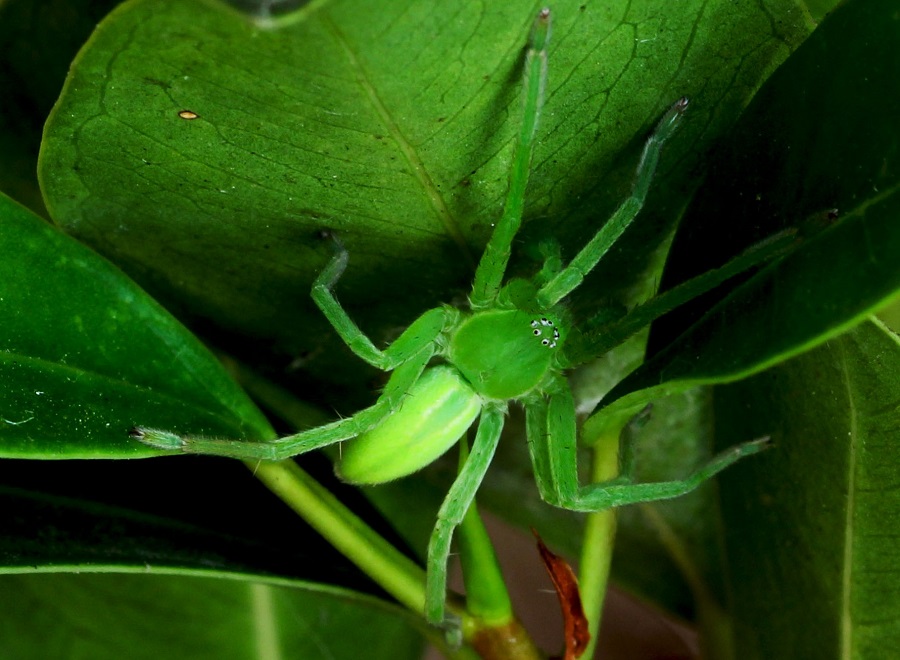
column 434, row 414
column 504, row 354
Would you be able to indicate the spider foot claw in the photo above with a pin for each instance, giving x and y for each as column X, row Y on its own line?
column 156, row 438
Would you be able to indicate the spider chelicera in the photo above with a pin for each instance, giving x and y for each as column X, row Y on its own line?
column 453, row 366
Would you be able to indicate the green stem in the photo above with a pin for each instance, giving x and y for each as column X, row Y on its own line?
column 599, row 535
column 394, row 572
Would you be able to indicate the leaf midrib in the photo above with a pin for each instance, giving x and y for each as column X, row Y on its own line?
column 420, row 172
column 847, row 560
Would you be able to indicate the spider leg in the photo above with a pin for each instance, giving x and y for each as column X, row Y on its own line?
column 539, row 449
column 422, row 332
column 489, row 274
column 551, row 254
column 573, row 274
column 603, row 333
column 401, row 380
column 455, row 506
column 552, row 435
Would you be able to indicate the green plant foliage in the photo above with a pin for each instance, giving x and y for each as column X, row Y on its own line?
column 391, row 123
column 827, row 172
column 812, row 525
column 87, row 354
column 38, row 41
column 111, row 515
column 147, row 616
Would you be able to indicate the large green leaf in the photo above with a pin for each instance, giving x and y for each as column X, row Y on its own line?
column 389, row 122
column 144, row 616
column 811, row 525
column 86, row 355
column 816, row 154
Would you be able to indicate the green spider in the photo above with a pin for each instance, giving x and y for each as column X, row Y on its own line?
column 452, row 366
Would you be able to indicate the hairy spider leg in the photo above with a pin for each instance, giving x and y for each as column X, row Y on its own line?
column 456, row 504
column 407, row 356
column 572, row 275
column 492, row 266
column 401, row 380
column 553, row 443
column 601, row 335
column 421, row 333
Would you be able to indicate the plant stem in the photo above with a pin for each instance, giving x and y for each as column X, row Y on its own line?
column 394, row 572
column 492, row 633
column 491, row 627
column 599, row 535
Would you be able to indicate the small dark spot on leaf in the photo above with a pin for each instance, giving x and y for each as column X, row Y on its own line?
column 157, row 82
column 582, row 7
column 188, row 114
column 465, row 183
column 440, row 119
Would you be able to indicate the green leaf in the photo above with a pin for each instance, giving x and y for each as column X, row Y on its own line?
column 810, row 524
column 388, row 122
column 210, row 517
column 143, row 616
column 38, row 41
column 210, row 520
column 86, row 355
column 829, row 147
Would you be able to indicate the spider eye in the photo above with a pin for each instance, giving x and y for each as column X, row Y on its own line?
column 544, row 322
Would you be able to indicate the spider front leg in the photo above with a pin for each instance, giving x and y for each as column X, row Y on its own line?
column 402, row 379
column 552, row 439
column 492, row 266
column 572, row 275
column 454, row 508
column 407, row 356
column 422, row 332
